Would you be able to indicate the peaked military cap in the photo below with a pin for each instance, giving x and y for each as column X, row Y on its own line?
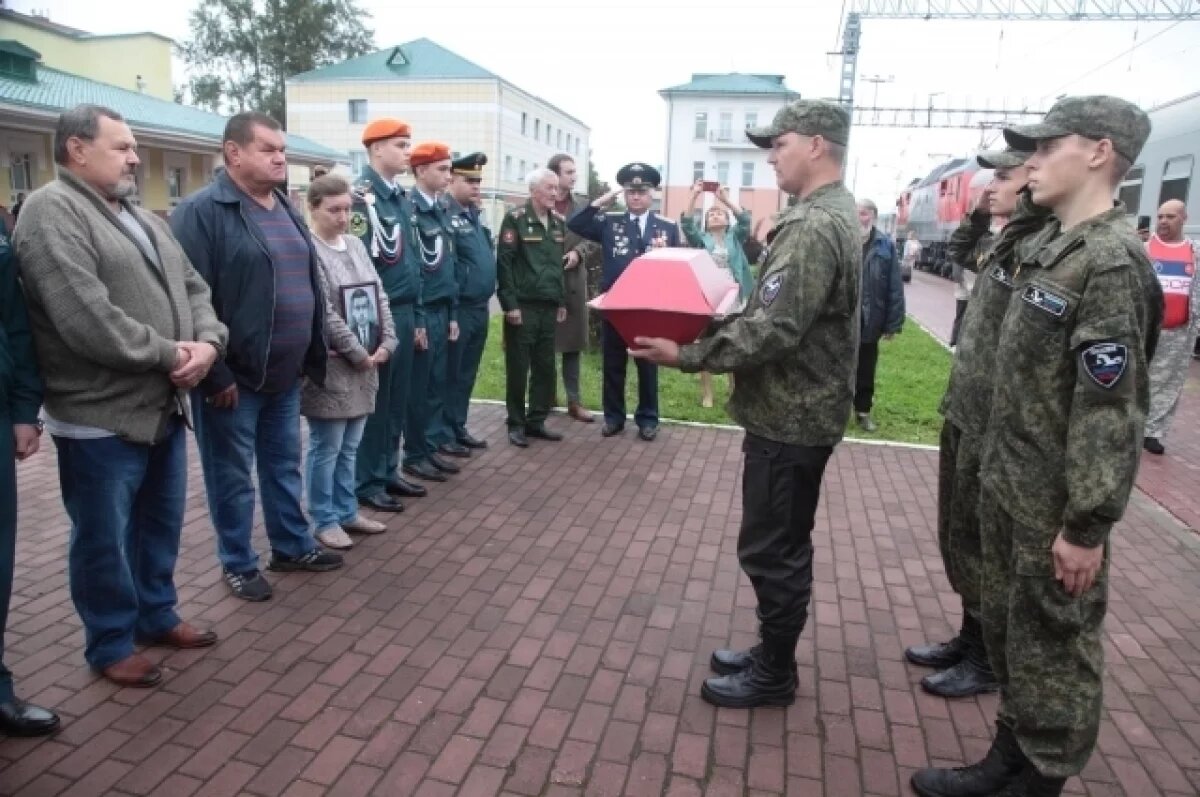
column 1002, row 158
column 386, row 127
column 821, row 118
column 470, row 166
column 1096, row 117
column 638, row 175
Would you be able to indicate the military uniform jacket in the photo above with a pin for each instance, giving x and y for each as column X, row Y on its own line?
column 473, row 249
column 433, row 246
column 794, row 348
column 381, row 217
column 20, row 386
column 968, row 399
column 529, row 258
column 619, row 238
column 1063, row 443
column 572, row 333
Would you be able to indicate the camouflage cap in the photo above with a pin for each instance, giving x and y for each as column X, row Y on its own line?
column 1002, row 158
column 821, row 118
column 1121, row 122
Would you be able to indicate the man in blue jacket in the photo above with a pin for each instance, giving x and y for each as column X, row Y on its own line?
column 253, row 249
column 881, row 306
column 20, row 433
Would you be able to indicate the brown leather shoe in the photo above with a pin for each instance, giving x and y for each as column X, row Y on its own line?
column 184, row 636
column 135, row 670
column 580, row 413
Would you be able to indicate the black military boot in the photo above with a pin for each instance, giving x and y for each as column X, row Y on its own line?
column 1002, row 767
column 1035, row 784
column 769, row 680
column 942, row 655
column 727, row 662
column 971, row 676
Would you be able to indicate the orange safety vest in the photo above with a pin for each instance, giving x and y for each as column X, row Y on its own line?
column 1175, row 264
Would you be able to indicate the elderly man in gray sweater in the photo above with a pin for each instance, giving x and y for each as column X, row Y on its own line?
column 123, row 328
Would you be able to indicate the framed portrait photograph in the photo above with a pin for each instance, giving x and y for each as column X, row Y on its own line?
column 360, row 308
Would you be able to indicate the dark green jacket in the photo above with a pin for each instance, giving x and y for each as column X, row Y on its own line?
column 530, row 258
column 381, row 217
column 794, row 348
column 1065, row 435
column 20, row 386
column 473, row 245
column 433, row 247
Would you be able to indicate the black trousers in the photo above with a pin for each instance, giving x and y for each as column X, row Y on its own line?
column 960, row 309
column 781, row 485
column 864, row 382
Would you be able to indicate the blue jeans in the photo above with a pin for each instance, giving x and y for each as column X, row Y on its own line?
column 264, row 427
column 126, row 503
column 332, row 450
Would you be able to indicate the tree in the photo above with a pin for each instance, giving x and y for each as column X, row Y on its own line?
column 596, row 187
column 241, row 51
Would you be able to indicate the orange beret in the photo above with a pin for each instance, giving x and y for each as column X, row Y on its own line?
column 428, row 152
column 379, row 129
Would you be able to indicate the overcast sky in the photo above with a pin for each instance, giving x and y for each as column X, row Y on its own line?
column 604, row 62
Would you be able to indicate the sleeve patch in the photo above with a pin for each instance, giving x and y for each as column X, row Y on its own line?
column 770, row 289
column 1105, row 363
column 358, row 224
column 508, row 237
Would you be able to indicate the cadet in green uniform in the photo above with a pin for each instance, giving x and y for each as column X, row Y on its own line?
column 793, row 353
column 20, row 398
column 1061, row 448
column 476, row 286
column 530, row 266
column 380, row 217
column 966, row 405
column 432, row 244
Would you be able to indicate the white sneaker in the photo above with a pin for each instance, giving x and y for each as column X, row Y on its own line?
column 362, row 525
column 333, row 537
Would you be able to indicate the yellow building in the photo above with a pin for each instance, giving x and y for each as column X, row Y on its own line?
column 179, row 145
column 444, row 97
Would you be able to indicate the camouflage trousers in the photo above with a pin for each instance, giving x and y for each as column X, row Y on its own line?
column 958, row 514
column 1043, row 644
column 1168, row 374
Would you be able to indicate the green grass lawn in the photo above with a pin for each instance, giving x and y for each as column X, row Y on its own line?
column 912, row 373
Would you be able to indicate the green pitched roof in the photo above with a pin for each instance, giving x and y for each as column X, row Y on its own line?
column 421, row 59
column 56, row 91
column 733, row 83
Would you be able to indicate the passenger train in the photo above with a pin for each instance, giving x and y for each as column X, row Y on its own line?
column 935, row 205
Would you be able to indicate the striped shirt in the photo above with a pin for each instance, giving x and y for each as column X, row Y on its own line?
column 291, row 331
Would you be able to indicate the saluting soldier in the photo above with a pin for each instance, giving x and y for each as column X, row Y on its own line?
column 432, row 244
column 793, row 353
column 623, row 236
column 530, row 265
column 1061, row 449
column 476, row 286
column 380, row 216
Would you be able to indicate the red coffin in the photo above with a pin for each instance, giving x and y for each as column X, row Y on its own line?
column 667, row 293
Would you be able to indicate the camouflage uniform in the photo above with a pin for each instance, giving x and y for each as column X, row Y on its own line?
column 793, row 351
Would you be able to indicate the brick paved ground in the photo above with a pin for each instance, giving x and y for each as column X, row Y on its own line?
column 542, row 625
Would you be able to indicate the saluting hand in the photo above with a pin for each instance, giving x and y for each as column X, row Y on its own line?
column 659, row 351
column 1075, row 566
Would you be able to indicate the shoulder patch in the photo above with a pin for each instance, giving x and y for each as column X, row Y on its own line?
column 770, row 289
column 998, row 273
column 1105, row 363
column 509, row 236
column 358, row 224
column 1043, row 299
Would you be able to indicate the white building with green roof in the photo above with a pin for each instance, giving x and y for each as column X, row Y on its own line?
column 444, row 97
column 706, row 122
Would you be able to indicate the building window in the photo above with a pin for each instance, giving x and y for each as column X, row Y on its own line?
column 523, row 173
column 725, row 128
column 508, row 167
column 751, row 119
column 524, row 123
column 697, row 170
column 175, row 184
column 1130, row 190
column 701, row 125
column 747, row 174
column 22, row 171
column 358, row 162
column 358, row 112
column 723, row 172
column 559, row 139
column 1177, row 179
column 547, row 132
column 568, row 142
column 537, row 128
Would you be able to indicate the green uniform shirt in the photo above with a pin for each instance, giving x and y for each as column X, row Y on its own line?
column 433, row 247
column 476, row 263
column 794, row 347
column 1065, row 436
column 968, row 399
column 380, row 216
column 530, row 258
column 20, row 386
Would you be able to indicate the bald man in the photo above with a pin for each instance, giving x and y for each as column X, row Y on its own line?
column 1175, row 259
